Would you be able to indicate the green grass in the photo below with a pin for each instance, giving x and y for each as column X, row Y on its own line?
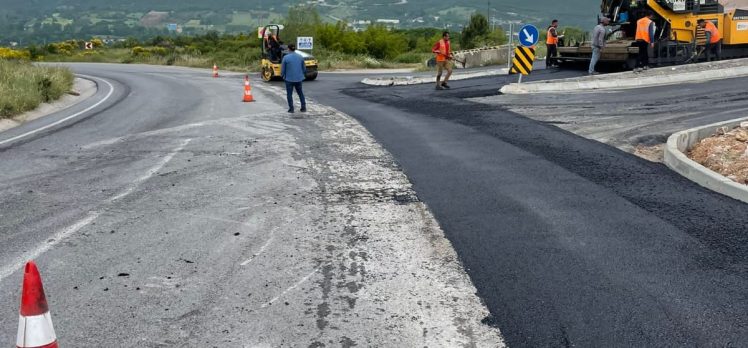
column 246, row 60
column 24, row 86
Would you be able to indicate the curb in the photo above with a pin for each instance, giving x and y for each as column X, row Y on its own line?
column 657, row 77
column 411, row 80
column 676, row 159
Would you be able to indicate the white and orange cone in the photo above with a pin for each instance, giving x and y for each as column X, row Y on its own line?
column 215, row 70
column 247, row 90
column 35, row 323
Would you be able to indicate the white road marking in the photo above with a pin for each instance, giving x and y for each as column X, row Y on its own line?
column 111, row 91
column 259, row 252
column 302, row 281
column 20, row 261
column 43, row 247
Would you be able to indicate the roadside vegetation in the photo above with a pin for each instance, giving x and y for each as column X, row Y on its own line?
column 337, row 46
column 24, row 86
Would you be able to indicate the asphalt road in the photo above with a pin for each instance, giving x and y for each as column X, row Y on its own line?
column 569, row 241
column 165, row 212
column 631, row 118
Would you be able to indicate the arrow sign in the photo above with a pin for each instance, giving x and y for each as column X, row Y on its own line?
column 528, row 35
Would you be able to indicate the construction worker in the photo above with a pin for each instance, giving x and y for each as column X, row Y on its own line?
column 645, row 30
column 551, row 42
column 713, row 39
column 598, row 42
column 443, row 56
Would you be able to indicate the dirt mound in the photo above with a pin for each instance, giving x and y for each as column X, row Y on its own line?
column 725, row 152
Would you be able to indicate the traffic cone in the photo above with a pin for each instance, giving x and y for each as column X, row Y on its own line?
column 247, row 91
column 215, row 70
column 35, row 323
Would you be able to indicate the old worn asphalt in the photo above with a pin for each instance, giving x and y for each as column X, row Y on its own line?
column 166, row 212
column 569, row 241
column 142, row 220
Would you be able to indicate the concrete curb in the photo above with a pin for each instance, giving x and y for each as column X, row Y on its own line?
column 627, row 80
column 676, row 159
column 411, row 80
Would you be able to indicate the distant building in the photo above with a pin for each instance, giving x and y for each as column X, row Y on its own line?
column 389, row 23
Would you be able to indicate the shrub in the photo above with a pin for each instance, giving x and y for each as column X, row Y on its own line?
column 24, row 86
column 7, row 53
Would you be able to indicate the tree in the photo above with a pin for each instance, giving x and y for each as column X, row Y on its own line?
column 302, row 20
column 475, row 32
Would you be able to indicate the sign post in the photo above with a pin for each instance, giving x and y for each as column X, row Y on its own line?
column 522, row 62
column 529, row 35
column 524, row 55
column 305, row 43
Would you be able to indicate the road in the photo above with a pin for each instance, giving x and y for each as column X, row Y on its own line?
column 569, row 241
column 171, row 214
column 633, row 120
column 165, row 212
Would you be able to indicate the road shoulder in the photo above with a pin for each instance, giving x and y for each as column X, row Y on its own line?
column 82, row 90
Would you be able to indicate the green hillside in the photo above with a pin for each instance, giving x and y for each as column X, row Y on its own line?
column 40, row 21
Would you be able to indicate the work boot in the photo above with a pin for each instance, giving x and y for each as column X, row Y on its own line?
column 303, row 109
column 290, row 111
column 439, row 88
column 445, row 85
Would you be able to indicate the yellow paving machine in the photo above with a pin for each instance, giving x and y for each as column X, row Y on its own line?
column 676, row 35
column 273, row 51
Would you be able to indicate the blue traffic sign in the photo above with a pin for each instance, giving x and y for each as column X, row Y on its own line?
column 528, row 35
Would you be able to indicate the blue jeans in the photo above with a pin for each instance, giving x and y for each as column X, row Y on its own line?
column 290, row 86
column 595, row 58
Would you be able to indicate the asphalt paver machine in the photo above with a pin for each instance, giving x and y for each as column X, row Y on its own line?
column 676, row 34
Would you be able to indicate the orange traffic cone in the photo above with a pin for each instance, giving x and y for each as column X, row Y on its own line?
column 215, row 70
column 35, row 323
column 247, row 91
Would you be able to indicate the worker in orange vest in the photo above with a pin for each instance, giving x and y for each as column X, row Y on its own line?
column 645, row 32
column 713, row 39
column 551, row 42
column 443, row 53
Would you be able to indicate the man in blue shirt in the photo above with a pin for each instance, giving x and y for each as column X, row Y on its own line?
column 293, row 71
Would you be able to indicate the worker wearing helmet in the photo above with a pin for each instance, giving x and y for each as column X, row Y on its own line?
column 645, row 30
column 443, row 53
column 713, row 39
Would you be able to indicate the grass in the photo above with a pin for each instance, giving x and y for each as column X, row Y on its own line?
column 24, row 86
column 244, row 61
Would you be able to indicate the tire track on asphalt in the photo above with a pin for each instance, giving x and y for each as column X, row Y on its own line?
column 65, row 233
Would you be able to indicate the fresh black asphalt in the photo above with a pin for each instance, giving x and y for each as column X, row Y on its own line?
column 570, row 242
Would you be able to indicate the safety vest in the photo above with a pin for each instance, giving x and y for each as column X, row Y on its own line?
column 442, row 51
column 710, row 27
column 550, row 39
column 642, row 29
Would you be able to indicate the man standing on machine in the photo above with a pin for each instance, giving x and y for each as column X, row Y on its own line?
column 713, row 39
column 645, row 33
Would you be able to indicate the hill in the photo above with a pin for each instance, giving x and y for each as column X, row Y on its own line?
column 46, row 20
